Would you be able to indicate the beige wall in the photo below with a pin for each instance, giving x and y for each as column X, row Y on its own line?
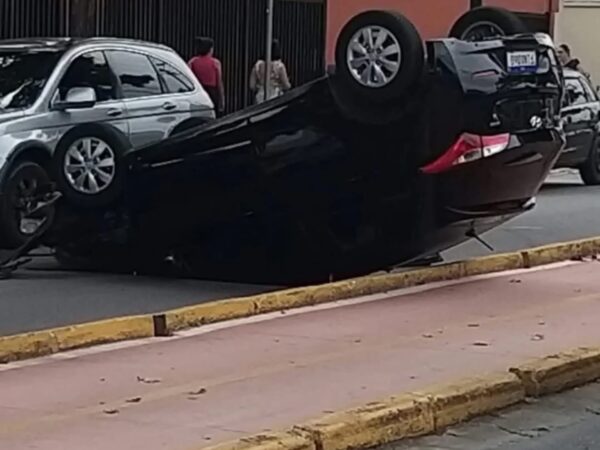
column 578, row 24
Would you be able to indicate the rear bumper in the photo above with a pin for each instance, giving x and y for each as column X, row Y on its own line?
column 480, row 196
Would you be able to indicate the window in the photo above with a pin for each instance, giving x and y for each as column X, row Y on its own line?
column 575, row 92
column 136, row 74
column 23, row 76
column 90, row 70
column 175, row 81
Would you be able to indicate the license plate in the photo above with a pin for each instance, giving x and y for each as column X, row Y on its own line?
column 522, row 62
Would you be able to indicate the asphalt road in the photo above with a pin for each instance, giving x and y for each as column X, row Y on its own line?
column 568, row 421
column 36, row 299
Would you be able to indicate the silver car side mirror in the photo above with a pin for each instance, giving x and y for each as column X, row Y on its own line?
column 77, row 98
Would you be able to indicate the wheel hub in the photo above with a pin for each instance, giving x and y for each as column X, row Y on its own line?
column 90, row 165
column 374, row 56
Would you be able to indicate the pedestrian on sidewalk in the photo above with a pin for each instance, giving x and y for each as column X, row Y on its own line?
column 209, row 72
column 280, row 82
column 564, row 55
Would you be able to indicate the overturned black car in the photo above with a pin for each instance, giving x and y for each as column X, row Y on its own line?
column 405, row 150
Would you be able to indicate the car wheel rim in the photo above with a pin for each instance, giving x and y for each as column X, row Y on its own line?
column 374, row 56
column 90, row 165
column 482, row 30
column 24, row 202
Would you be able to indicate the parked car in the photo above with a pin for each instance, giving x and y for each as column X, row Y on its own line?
column 581, row 122
column 71, row 108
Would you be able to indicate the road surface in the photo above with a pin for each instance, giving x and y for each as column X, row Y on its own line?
column 41, row 299
column 568, row 421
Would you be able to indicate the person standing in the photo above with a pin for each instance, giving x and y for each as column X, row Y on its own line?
column 564, row 55
column 280, row 81
column 208, row 70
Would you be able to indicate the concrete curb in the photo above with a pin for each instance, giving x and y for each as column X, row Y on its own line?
column 433, row 410
column 46, row 342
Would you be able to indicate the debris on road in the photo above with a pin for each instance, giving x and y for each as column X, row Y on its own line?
column 148, row 380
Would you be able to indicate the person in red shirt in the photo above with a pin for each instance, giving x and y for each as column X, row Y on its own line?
column 209, row 72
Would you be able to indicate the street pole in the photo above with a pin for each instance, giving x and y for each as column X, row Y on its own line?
column 269, row 54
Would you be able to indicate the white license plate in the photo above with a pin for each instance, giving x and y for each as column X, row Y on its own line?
column 525, row 61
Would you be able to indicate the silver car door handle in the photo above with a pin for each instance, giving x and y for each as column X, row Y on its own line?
column 115, row 112
column 169, row 106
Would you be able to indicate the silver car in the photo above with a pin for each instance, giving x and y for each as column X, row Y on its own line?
column 69, row 108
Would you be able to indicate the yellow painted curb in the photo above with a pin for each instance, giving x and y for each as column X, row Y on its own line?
column 375, row 424
column 277, row 441
column 376, row 284
column 41, row 343
column 560, row 372
column 45, row 342
column 459, row 402
column 433, row 410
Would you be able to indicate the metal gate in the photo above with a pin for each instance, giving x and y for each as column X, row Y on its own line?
column 237, row 26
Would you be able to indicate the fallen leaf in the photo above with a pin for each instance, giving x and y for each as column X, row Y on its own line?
column 198, row 392
column 412, row 377
column 537, row 337
column 102, row 380
column 516, row 281
column 148, row 380
column 473, row 325
column 111, row 412
column 481, row 344
column 428, row 336
column 541, row 322
column 357, row 341
column 134, row 400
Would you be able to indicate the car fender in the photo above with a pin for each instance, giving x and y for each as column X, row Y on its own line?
column 118, row 134
column 8, row 159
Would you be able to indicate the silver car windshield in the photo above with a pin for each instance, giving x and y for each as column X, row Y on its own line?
column 23, row 75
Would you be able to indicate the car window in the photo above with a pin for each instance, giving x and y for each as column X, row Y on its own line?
column 23, row 76
column 136, row 74
column 90, row 70
column 575, row 92
column 175, row 81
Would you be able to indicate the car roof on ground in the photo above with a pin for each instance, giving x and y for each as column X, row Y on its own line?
column 63, row 43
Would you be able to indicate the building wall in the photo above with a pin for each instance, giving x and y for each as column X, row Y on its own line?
column 433, row 18
column 578, row 25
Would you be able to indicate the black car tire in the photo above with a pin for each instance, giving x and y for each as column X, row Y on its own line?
column 590, row 170
column 20, row 178
column 506, row 22
column 113, row 189
column 410, row 59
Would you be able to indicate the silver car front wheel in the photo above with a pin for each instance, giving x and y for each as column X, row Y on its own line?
column 90, row 165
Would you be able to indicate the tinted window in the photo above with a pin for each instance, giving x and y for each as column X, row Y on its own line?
column 174, row 80
column 136, row 74
column 90, row 70
column 575, row 92
column 23, row 76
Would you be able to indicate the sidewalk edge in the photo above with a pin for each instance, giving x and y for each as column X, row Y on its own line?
column 433, row 410
column 45, row 342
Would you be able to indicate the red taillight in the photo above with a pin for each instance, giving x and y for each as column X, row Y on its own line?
column 468, row 148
